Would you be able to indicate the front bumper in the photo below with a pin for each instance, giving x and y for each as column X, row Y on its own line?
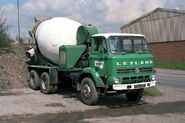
column 134, row 86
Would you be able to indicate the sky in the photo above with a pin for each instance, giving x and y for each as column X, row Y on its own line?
column 106, row 15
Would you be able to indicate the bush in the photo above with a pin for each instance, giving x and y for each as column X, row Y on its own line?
column 4, row 38
column 153, row 91
column 4, row 41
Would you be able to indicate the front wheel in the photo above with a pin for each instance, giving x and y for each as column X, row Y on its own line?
column 88, row 92
column 135, row 95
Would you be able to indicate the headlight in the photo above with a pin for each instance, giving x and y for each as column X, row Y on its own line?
column 153, row 77
column 116, row 81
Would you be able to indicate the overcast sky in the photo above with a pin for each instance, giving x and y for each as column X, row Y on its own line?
column 107, row 15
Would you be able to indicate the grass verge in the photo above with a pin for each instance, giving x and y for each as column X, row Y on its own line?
column 7, row 49
column 5, row 42
column 172, row 65
column 153, row 91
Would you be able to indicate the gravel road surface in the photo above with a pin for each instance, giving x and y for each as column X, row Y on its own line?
column 28, row 106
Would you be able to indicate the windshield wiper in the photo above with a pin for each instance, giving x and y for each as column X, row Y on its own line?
column 127, row 52
column 142, row 51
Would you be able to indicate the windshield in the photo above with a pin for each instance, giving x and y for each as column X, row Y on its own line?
column 124, row 44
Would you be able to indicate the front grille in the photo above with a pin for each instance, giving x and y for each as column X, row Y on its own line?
column 136, row 79
column 134, row 70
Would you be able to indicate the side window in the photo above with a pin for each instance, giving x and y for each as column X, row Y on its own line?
column 98, row 43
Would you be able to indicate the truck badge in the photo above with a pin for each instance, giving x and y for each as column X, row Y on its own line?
column 99, row 64
column 137, row 70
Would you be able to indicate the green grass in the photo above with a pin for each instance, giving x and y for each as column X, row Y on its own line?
column 153, row 91
column 8, row 48
column 5, row 42
column 170, row 65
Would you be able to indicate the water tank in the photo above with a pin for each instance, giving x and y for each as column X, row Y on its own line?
column 55, row 32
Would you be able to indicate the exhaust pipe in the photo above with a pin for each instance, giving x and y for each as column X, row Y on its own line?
column 30, row 53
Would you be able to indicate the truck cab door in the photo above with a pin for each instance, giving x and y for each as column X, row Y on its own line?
column 98, row 55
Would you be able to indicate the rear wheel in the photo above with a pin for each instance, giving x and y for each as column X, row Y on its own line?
column 45, row 86
column 88, row 92
column 135, row 95
column 34, row 80
column 55, row 89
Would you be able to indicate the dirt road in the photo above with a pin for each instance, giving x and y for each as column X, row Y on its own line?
column 28, row 106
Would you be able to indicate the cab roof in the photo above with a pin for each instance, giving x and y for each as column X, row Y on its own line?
column 106, row 35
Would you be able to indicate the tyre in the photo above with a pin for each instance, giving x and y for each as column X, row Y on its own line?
column 135, row 95
column 45, row 87
column 34, row 80
column 88, row 92
column 55, row 89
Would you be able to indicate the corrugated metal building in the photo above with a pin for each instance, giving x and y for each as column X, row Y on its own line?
column 165, row 31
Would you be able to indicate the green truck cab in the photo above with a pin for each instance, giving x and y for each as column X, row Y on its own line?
column 98, row 64
column 123, row 63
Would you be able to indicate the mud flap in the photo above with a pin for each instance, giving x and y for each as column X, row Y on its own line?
column 53, row 73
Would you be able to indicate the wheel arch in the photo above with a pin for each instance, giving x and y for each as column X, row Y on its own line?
column 83, row 75
column 90, row 72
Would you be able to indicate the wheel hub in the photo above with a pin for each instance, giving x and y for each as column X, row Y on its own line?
column 32, row 80
column 86, row 91
column 43, row 83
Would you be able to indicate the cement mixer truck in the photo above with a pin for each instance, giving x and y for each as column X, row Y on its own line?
column 95, row 63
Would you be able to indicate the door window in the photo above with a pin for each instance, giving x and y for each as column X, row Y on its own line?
column 98, row 43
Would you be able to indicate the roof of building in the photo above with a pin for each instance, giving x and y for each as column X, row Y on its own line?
column 148, row 14
column 106, row 35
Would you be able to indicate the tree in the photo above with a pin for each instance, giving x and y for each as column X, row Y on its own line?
column 4, row 38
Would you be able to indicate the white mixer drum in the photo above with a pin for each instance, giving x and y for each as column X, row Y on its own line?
column 53, row 33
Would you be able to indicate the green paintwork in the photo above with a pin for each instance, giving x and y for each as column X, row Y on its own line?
column 117, row 61
column 112, row 62
column 103, row 65
column 72, row 55
column 97, row 79
column 83, row 31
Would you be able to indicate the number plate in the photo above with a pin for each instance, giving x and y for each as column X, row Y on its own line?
column 140, row 86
